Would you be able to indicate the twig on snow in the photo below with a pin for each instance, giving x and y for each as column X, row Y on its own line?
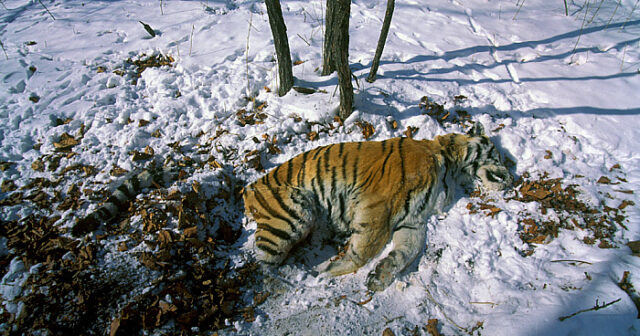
column 518, row 11
column 614, row 14
column 492, row 304
column 584, row 20
column 191, row 39
column 5, row 51
column 572, row 260
column 596, row 12
column 594, row 308
column 45, row 8
column 630, row 14
column 442, row 310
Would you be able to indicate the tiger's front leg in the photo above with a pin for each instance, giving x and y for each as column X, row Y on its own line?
column 408, row 240
column 364, row 244
column 370, row 234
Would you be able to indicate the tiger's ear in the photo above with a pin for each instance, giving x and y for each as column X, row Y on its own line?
column 476, row 130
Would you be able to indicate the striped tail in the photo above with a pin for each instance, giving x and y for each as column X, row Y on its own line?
column 118, row 202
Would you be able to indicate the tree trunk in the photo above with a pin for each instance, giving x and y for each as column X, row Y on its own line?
column 340, row 50
column 382, row 40
column 281, row 42
column 328, row 63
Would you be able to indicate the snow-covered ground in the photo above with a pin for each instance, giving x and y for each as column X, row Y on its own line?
column 559, row 94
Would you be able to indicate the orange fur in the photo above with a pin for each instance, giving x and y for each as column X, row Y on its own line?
column 373, row 191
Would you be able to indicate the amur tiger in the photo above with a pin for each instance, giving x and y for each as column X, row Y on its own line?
column 375, row 192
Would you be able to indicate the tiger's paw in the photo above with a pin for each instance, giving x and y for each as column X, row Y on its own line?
column 379, row 279
column 341, row 266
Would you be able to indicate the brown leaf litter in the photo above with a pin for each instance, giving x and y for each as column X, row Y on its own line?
column 571, row 212
column 73, row 293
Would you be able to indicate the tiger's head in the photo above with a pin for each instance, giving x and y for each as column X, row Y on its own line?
column 478, row 159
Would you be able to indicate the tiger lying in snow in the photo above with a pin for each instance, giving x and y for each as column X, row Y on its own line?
column 374, row 191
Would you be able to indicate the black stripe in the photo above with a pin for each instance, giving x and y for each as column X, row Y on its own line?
column 318, row 177
column 268, row 250
column 314, row 190
column 327, row 158
column 275, row 175
column 289, row 172
column 444, row 177
column 341, row 205
column 486, row 153
column 475, row 150
column 296, row 197
column 367, row 180
column 276, row 232
column 302, row 172
column 317, row 152
column 475, row 167
column 266, row 240
column 355, row 171
column 407, row 204
column 491, row 177
column 135, row 183
column 384, row 163
column 344, row 164
column 271, row 211
column 340, row 148
column 126, row 191
column 286, row 208
column 103, row 214
column 122, row 205
column 333, row 180
column 425, row 202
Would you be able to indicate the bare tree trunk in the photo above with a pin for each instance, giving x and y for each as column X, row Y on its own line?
column 340, row 50
column 281, row 42
column 382, row 40
column 328, row 63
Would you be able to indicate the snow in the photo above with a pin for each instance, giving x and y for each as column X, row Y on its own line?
column 538, row 80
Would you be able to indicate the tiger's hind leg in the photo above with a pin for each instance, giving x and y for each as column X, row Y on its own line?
column 284, row 217
column 408, row 240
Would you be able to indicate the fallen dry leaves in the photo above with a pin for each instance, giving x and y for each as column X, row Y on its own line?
column 367, row 129
column 133, row 68
column 72, row 293
column 570, row 212
column 432, row 327
column 444, row 116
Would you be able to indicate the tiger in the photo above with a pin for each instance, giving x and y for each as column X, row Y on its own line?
column 371, row 192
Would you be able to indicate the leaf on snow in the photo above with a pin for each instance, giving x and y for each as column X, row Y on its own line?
column 148, row 29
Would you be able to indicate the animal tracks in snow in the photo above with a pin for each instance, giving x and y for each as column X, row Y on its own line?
column 479, row 30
